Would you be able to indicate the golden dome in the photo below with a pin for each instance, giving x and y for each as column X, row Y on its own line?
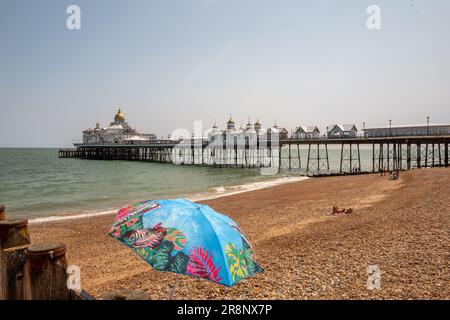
column 119, row 116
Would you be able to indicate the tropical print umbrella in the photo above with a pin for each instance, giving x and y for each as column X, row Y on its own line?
column 187, row 238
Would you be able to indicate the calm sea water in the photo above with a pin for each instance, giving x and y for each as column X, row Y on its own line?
column 36, row 183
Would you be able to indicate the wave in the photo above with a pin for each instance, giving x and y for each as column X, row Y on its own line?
column 70, row 217
column 217, row 192
column 222, row 191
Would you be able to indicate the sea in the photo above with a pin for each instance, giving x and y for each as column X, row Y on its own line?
column 37, row 185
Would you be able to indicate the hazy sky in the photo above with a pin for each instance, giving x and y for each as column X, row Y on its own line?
column 168, row 63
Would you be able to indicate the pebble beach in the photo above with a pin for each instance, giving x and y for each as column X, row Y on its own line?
column 400, row 226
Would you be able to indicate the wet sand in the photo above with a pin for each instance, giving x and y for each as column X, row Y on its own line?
column 401, row 226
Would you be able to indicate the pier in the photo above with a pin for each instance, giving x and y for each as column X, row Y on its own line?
column 387, row 153
column 305, row 149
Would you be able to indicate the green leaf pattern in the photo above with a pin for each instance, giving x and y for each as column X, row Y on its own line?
column 236, row 262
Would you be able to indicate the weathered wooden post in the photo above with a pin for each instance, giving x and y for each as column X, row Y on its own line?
column 2, row 212
column 45, row 272
column 14, row 241
column 3, row 276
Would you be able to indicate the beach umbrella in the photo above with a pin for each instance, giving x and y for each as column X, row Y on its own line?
column 187, row 238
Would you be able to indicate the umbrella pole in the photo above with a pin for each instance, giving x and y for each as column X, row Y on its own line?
column 172, row 288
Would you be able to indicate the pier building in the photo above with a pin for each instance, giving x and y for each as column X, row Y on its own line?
column 118, row 131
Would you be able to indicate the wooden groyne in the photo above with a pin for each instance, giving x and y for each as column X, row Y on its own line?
column 27, row 271
column 38, row 271
column 388, row 153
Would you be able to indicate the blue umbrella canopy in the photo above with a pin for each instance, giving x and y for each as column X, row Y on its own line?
column 188, row 238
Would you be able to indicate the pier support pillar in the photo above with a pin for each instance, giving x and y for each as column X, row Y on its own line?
column 396, row 159
column 192, row 153
column 299, row 159
column 408, row 156
column 446, row 155
column 2, row 212
column 419, row 157
column 388, row 154
column 440, row 155
column 349, row 154
column 431, row 155
column 381, row 158
column 290, row 157
column 359, row 158
column 309, row 157
column 373, row 157
column 319, row 155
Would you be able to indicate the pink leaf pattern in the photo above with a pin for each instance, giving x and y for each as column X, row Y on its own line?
column 144, row 238
column 136, row 209
column 201, row 265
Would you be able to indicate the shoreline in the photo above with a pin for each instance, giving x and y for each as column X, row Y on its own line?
column 227, row 191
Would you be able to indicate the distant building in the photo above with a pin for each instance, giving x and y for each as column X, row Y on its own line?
column 408, row 130
column 118, row 131
column 306, row 132
column 342, row 131
column 249, row 133
column 282, row 133
column 231, row 133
